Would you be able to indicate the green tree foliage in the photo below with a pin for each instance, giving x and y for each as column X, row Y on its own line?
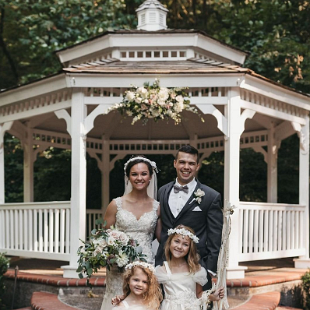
column 275, row 32
column 4, row 265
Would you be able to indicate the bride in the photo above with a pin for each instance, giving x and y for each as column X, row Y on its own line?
column 135, row 213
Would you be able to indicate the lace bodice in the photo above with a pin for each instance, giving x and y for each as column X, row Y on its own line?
column 141, row 229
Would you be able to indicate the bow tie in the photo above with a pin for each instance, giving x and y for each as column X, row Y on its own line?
column 177, row 189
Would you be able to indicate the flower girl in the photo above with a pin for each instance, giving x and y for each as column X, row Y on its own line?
column 140, row 287
column 181, row 275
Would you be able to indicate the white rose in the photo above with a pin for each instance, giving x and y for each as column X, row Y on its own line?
column 111, row 240
column 123, row 238
column 163, row 93
column 142, row 91
column 161, row 102
column 179, row 99
column 130, row 95
column 178, row 107
column 200, row 192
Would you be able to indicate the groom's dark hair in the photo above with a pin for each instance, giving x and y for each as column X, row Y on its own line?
column 187, row 149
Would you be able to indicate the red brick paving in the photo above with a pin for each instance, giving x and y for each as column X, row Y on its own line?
column 53, row 280
column 266, row 301
column 47, row 301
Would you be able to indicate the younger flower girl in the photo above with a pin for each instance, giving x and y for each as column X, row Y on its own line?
column 140, row 287
column 181, row 275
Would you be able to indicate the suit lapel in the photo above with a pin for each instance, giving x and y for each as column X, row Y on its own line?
column 189, row 202
column 166, row 202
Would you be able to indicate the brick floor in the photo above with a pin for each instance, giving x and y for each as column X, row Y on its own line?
column 47, row 301
column 266, row 301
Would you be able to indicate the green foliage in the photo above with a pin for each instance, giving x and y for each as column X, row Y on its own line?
column 306, row 287
column 4, row 265
column 13, row 158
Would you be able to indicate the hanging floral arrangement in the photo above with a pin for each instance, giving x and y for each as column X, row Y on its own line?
column 154, row 102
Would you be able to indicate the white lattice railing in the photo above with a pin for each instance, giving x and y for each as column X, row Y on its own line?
column 40, row 230
column 91, row 216
column 270, row 231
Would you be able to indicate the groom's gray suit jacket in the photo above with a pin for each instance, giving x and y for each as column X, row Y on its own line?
column 206, row 223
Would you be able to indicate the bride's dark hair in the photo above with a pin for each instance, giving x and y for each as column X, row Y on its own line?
column 132, row 161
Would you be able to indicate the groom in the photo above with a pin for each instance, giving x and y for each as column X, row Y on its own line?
column 188, row 202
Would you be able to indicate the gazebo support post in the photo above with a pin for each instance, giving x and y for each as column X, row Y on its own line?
column 3, row 128
column 105, row 175
column 231, row 183
column 78, row 180
column 28, row 166
column 304, row 261
column 272, row 167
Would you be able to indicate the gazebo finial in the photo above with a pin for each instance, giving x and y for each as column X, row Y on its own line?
column 152, row 16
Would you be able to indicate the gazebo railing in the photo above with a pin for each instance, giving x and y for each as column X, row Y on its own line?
column 91, row 216
column 270, row 230
column 40, row 230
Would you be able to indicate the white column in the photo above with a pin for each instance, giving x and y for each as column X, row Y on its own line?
column 3, row 128
column 28, row 166
column 304, row 261
column 272, row 167
column 231, row 180
column 105, row 175
column 78, row 181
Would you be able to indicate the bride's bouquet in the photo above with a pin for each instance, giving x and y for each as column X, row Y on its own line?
column 107, row 248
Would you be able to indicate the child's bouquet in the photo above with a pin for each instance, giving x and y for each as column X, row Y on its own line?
column 107, row 248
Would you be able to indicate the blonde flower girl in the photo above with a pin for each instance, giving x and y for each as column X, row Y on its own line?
column 181, row 275
column 140, row 288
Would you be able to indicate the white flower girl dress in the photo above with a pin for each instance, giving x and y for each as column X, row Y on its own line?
column 180, row 288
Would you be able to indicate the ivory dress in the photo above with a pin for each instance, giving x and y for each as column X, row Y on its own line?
column 180, row 288
column 142, row 230
column 125, row 306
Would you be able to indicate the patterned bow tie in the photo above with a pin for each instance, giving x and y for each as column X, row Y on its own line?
column 177, row 189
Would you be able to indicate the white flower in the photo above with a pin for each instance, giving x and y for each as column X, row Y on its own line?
column 142, row 91
column 179, row 99
column 123, row 238
column 129, row 113
column 163, row 94
column 130, row 95
column 161, row 102
column 178, row 107
column 183, row 232
column 199, row 193
column 111, row 240
column 138, row 100
column 122, row 259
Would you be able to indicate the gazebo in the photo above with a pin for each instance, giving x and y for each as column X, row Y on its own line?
column 241, row 109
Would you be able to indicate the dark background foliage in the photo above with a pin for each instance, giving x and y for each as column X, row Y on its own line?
column 276, row 34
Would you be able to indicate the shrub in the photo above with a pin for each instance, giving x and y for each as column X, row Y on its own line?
column 4, row 265
column 306, row 287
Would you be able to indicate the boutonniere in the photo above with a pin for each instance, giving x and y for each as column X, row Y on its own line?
column 198, row 195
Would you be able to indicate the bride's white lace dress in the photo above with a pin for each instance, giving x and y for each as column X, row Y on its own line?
column 142, row 230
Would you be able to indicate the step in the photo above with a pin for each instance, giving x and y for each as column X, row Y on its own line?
column 266, row 301
column 47, row 301
column 287, row 308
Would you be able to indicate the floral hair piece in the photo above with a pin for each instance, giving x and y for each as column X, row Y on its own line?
column 183, row 232
column 152, row 163
column 140, row 264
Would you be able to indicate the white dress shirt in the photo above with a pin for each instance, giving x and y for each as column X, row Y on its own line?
column 178, row 200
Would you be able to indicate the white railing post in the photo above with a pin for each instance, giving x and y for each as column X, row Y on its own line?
column 78, row 180
column 231, row 183
column 3, row 128
column 304, row 261
column 28, row 165
column 272, row 167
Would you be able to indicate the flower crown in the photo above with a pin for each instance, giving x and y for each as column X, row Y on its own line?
column 140, row 264
column 152, row 163
column 183, row 232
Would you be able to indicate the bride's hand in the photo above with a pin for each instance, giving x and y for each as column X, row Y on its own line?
column 117, row 299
